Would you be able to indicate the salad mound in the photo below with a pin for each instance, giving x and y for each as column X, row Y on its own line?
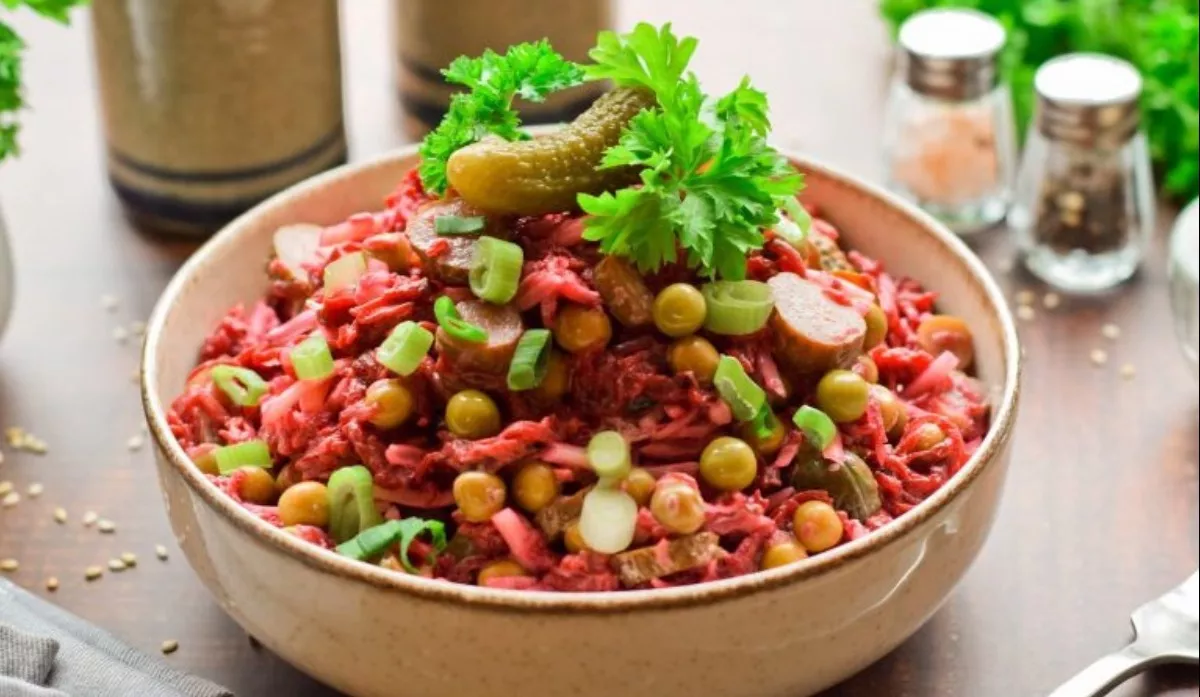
column 622, row 355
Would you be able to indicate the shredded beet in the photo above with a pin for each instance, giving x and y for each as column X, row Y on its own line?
column 314, row 427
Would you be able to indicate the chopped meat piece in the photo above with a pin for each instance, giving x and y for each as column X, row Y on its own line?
column 665, row 558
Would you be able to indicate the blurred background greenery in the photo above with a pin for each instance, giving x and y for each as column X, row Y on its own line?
column 1160, row 37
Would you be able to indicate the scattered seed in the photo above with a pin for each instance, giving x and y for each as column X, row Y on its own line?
column 52, row 583
column 129, row 558
column 10, row 499
column 92, row 573
column 116, row 565
column 106, row 526
column 120, row 334
column 1051, row 300
column 1026, row 313
column 135, row 377
column 109, row 302
column 36, row 489
column 137, row 328
column 1099, row 356
column 1128, row 371
column 1110, row 331
column 1026, row 297
column 5, row 487
column 9, row 565
column 170, row 646
column 160, row 552
column 89, row 519
column 60, row 515
column 135, row 442
column 21, row 439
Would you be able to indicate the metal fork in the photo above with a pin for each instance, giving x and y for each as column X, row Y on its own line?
column 1166, row 630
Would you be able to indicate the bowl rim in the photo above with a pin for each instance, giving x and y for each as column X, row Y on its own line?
column 523, row 601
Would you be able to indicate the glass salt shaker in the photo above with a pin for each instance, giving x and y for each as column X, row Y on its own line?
column 949, row 138
column 1084, row 204
column 1184, row 278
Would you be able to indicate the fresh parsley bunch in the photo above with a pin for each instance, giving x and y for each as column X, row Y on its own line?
column 710, row 183
column 1160, row 37
column 531, row 71
column 11, row 48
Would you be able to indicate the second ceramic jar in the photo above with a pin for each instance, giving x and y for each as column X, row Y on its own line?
column 211, row 105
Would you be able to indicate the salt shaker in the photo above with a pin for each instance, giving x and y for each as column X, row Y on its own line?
column 949, row 137
column 1084, row 203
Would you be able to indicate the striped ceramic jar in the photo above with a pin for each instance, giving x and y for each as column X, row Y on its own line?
column 210, row 106
column 431, row 33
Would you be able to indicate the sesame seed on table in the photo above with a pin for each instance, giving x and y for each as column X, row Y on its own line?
column 1100, row 505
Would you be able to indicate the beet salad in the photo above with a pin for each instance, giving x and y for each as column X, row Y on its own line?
column 620, row 355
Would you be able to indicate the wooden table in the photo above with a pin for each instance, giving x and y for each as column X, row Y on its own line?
column 1101, row 507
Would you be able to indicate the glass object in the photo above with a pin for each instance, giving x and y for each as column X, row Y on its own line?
column 949, row 137
column 209, row 106
column 1184, row 278
column 1084, row 205
column 431, row 33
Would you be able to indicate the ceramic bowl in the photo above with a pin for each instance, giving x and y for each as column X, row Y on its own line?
column 371, row 632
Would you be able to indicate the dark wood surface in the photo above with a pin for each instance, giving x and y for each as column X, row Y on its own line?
column 1100, row 512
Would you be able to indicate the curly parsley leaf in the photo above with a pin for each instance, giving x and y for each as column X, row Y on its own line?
column 531, row 71
column 709, row 182
column 1160, row 37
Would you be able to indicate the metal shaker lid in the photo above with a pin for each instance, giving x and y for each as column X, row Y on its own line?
column 950, row 53
column 1088, row 99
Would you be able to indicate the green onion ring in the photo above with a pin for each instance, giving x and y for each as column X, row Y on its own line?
column 311, row 358
column 242, row 386
column 608, row 456
column 530, row 360
column 817, row 427
column 736, row 308
column 453, row 324
column 404, row 348
column 344, row 271
column 351, row 495
column 458, row 224
column 251, row 453
column 744, row 397
column 496, row 270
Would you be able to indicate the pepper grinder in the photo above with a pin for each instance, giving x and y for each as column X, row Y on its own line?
column 1084, row 207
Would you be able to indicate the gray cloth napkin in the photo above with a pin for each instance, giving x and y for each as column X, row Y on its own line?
column 47, row 652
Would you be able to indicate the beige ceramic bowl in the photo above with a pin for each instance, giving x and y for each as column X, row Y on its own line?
column 374, row 633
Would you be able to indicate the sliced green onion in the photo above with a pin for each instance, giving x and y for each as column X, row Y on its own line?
column 496, row 270
column 530, row 360
column 344, row 271
column 458, row 224
column 764, row 423
column 372, row 541
column 736, row 308
column 252, row 453
column 795, row 227
column 608, row 520
column 351, row 494
column 608, row 455
column 742, row 394
column 817, row 427
column 242, row 386
column 453, row 323
column 410, row 528
column 311, row 358
column 405, row 348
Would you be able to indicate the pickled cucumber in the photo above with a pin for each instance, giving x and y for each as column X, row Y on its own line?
column 543, row 175
column 851, row 484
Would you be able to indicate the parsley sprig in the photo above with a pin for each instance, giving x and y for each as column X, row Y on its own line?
column 531, row 71
column 710, row 183
column 11, row 50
